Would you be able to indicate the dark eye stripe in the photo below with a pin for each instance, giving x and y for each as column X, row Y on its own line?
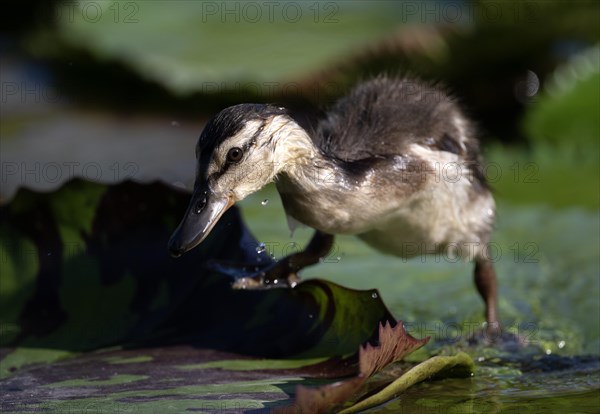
column 245, row 148
column 255, row 136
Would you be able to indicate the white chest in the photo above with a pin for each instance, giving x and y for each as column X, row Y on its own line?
column 444, row 214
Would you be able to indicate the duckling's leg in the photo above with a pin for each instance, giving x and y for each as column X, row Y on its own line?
column 485, row 280
column 284, row 272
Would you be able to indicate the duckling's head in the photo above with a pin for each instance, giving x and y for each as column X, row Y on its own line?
column 238, row 153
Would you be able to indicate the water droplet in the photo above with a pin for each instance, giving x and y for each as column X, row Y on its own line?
column 276, row 281
column 561, row 344
column 533, row 83
column 481, row 359
column 261, row 248
column 201, row 204
column 293, row 284
column 374, row 295
column 265, row 202
column 548, row 351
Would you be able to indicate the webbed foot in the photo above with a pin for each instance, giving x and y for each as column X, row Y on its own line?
column 283, row 273
column 492, row 334
column 275, row 275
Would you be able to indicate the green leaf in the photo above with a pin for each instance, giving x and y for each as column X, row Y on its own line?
column 150, row 381
column 198, row 46
column 251, row 365
column 344, row 308
column 394, row 344
column 21, row 357
column 566, row 112
column 460, row 364
column 97, row 273
column 562, row 124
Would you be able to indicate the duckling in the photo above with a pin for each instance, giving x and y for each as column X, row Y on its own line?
column 395, row 162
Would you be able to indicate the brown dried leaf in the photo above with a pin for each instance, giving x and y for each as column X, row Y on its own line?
column 394, row 344
column 323, row 399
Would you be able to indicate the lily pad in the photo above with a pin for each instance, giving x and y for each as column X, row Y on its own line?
column 152, row 385
column 198, row 46
column 97, row 274
column 566, row 112
column 438, row 366
column 153, row 379
column 562, row 124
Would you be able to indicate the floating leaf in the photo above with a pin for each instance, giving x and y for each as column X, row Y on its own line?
column 461, row 363
column 566, row 112
column 394, row 344
column 201, row 45
column 152, row 378
column 87, row 267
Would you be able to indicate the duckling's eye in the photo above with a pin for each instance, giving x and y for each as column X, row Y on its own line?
column 234, row 154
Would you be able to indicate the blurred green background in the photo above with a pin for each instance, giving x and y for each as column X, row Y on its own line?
column 115, row 90
column 527, row 72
